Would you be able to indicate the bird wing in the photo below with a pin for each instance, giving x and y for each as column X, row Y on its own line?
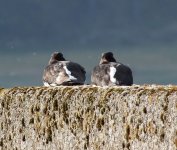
column 76, row 71
column 123, row 74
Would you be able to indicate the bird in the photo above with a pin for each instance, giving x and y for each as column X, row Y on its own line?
column 109, row 72
column 60, row 71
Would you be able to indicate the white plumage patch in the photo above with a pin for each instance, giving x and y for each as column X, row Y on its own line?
column 112, row 73
column 69, row 74
column 53, row 84
column 46, row 84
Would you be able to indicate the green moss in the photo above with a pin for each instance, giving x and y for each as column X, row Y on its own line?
column 23, row 122
column 55, row 105
column 49, row 135
column 32, row 109
column 37, row 108
column 100, row 123
column 31, row 121
column 127, row 132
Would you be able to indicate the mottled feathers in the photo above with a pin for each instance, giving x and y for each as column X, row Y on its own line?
column 110, row 72
column 62, row 72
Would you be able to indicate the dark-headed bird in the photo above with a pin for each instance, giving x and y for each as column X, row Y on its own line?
column 62, row 72
column 110, row 72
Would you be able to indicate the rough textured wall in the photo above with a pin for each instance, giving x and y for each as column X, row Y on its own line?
column 86, row 117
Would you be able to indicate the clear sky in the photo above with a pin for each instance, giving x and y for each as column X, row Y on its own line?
column 141, row 33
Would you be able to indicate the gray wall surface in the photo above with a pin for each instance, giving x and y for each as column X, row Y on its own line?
column 87, row 117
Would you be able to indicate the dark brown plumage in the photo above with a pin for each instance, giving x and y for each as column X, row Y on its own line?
column 110, row 72
column 62, row 72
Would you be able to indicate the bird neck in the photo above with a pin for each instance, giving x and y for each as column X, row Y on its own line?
column 52, row 61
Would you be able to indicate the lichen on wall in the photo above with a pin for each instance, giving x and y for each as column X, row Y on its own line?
column 89, row 117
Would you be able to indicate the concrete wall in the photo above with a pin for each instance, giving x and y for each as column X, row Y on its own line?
column 86, row 117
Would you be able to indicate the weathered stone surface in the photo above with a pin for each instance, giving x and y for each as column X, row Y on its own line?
column 87, row 117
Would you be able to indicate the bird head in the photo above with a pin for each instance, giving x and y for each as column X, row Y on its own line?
column 107, row 57
column 55, row 57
